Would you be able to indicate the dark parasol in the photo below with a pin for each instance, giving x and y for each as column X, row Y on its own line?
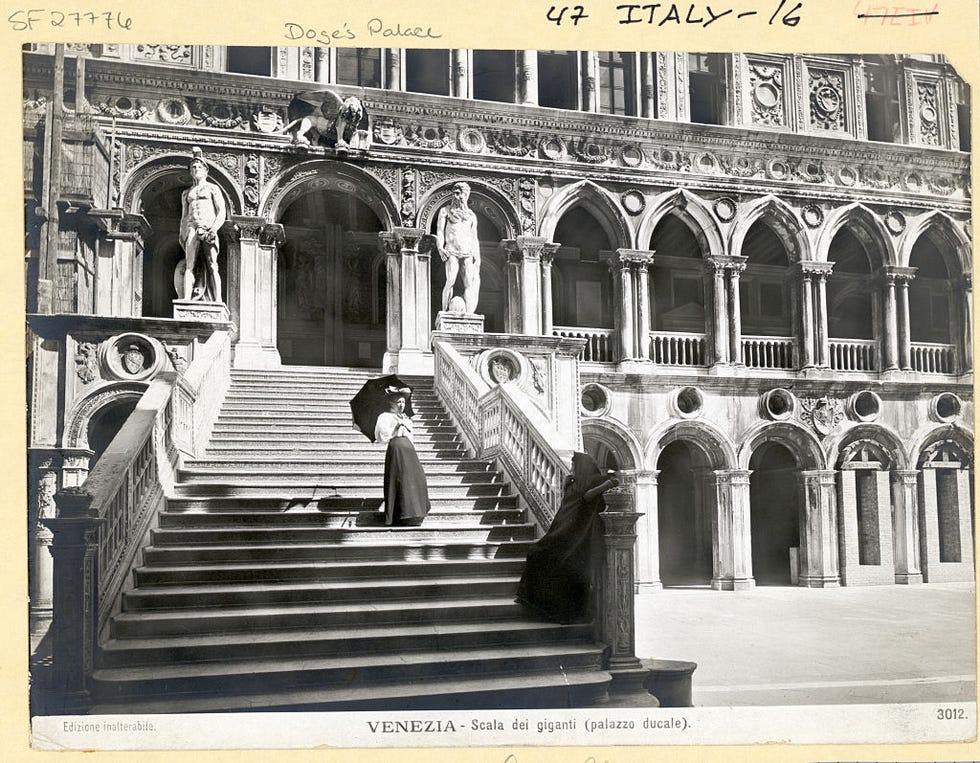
column 372, row 401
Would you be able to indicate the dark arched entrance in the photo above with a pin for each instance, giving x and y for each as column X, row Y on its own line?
column 684, row 515
column 105, row 425
column 331, row 306
column 775, row 513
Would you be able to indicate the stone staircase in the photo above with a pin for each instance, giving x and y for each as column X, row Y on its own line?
column 273, row 584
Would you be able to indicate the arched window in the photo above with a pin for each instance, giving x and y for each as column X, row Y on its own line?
column 582, row 292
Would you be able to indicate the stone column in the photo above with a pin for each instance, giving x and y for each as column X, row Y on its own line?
column 643, row 313
column 525, row 283
column 819, row 567
column 735, row 268
column 590, row 81
column 648, row 85
column 252, row 290
column 393, row 70
column 822, row 331
column 904, row 320
column 647, row 531
column 890, row 338
column 623, row 280
column 45, row 467
column 119, row 262
column 324, row 64
column 408, row 296
column 527, row 77
column 75, row 547
column 905, row 488
column 719, row 293
column 731, row 532
column 616, row 615
column 966, row 321
column 806, row 318
column 461, row 81
column 547, row 310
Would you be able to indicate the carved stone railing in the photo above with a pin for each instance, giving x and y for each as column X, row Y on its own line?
column 854, row 354
column 501, row 423
column 674, row 348
column 101, row 525
column 600, row 346
column 768, row 351
column 933, row 358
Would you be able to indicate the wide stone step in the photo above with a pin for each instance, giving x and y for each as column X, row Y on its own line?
column 263, row 675
column 279, row 570
column 220, row 620
column 402, row 551
column 352, row 452
column 342, row 535
column 340, row 427
column 553, row 688
column 327, row 395
column 313, row 410
column 321, row 502
column 332, row 592
column 326, row 463
column 338, row 641
column 373, row 517
column 339, row 478
column 315, row 432
column 310, row 489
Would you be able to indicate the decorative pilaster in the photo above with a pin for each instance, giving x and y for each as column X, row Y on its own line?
column 252, row 268
column 735, row 268
column 908, row 568
column 731, row 532
column 409, row 324
column 119, row 262
column 75, row 547
column 616, row 615
column 547, row 310
column 648, row 536
column 819, row 566
column 527, row 77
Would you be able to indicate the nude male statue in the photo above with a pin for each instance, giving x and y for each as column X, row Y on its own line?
column 458, row 246
column 202, row 214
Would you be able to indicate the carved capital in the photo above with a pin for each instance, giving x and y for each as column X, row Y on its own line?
column 809, row 269
column 732, row 477
column 908, row 478
column 272, row 234
column 618, row 524
column 529, row 248
column 639, row 258
column 891, row 274
column 819, row 478
column 244, row 227
column 121, row 225
column 401, row 240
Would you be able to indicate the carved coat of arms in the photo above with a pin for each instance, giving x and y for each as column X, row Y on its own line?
column 133, row 359
column 822, row 413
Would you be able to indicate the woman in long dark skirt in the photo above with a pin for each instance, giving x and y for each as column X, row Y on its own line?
column 405, row 490
column 557, row 579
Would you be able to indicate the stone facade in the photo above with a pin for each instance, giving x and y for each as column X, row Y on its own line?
column 777, row 311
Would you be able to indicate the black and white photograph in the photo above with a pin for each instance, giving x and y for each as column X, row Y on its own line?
column 505, row 397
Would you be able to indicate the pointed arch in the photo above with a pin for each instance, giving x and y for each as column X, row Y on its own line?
column 799, row 441
column 599, row 202
column 958, row 252
column 327, row 175
column 484, row 199
column 878, row 435
column 617, row 437
column 781, row 218
column 869, row 229
column 693, row 211
column 714, row 443
column 168, row 171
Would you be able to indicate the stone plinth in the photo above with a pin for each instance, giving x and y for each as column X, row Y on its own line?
column 191, row 310
column 459, row 323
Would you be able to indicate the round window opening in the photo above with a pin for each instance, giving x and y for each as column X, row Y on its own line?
column 594, row 399
column 866, row 405
column 689, row 401
column 947, row 406
column 778, row 403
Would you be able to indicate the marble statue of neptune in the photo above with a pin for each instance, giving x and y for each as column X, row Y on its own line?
column 202, row 215
column 459, row 247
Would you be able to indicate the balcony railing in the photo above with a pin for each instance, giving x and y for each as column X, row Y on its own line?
column 933, row 358
column 853, row 354
column 673, row 348
column 600, row 343
column 769, row 351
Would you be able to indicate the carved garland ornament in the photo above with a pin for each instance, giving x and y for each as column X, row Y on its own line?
column 766, row 82
column 928, row 113
column 827, row 100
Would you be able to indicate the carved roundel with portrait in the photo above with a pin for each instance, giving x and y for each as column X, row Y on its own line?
column 131, row 357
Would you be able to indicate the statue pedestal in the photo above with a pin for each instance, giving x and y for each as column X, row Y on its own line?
column 191, row 310
column 459, row 323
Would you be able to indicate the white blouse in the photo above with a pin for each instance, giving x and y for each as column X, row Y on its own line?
column 384, row 430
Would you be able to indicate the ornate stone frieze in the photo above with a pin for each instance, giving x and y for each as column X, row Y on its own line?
column 591, row 152
column 663, row 81
column 766, row 88
column 408, row 183
column 123, row 107
column 169, row 54
column 174, row 111
column 821, row 414
column 631, row 155
column 388, row 133
column 428, row 136
column 552, row 147
column 828, row 100
column 471, row 141
column 221, row 115
column 266, row 119
column 527, row 205
column 511, row 144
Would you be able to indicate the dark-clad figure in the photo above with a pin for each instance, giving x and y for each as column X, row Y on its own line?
column 405, row 490
column 557, row 580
